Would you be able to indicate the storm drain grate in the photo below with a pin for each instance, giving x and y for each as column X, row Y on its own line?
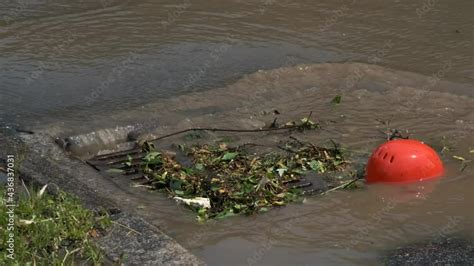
column 122, row 163
column 127, row 163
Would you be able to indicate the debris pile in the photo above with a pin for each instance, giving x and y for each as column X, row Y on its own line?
column 233, row 180
column 220, row 180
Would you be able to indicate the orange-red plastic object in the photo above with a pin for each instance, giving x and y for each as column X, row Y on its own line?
column 403, row 161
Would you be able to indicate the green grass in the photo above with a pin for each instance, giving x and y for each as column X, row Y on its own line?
column 51, row 230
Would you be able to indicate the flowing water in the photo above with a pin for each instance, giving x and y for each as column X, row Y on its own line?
column 79, row 67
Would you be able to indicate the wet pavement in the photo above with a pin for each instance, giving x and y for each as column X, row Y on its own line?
column 72, row 68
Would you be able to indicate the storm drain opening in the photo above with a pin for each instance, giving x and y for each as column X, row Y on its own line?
column 127, row 164
column 223, row 174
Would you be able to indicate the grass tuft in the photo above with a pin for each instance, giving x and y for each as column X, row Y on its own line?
column 51, row 230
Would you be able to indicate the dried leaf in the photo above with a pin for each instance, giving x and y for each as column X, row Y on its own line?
column 41, row 192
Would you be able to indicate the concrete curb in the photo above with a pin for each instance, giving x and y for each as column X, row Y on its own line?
column 131, row 240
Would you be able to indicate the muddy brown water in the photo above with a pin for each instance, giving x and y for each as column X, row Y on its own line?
column 70, row 68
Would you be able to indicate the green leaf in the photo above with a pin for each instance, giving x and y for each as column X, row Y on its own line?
column 179, row 192
column 238, row 194
column 199, row 166
column 298, row 171
column 187, row 171
column 229, row 156
column 152, row 156
column 225, row 213
column 129, row 162
column 317, row 166
column 176, row 184
column 307, row 121
column 336, row 100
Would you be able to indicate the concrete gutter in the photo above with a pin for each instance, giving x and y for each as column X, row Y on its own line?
column 131, row 240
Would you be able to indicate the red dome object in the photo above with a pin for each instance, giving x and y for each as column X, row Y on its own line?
column 403, row 161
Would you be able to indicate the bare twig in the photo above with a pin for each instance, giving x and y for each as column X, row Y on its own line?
column 285, row 149
column 225, row 130
column 274, row 124
column 124, row 226
column 69, row 253
column 344, row 185
column 297, row 140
